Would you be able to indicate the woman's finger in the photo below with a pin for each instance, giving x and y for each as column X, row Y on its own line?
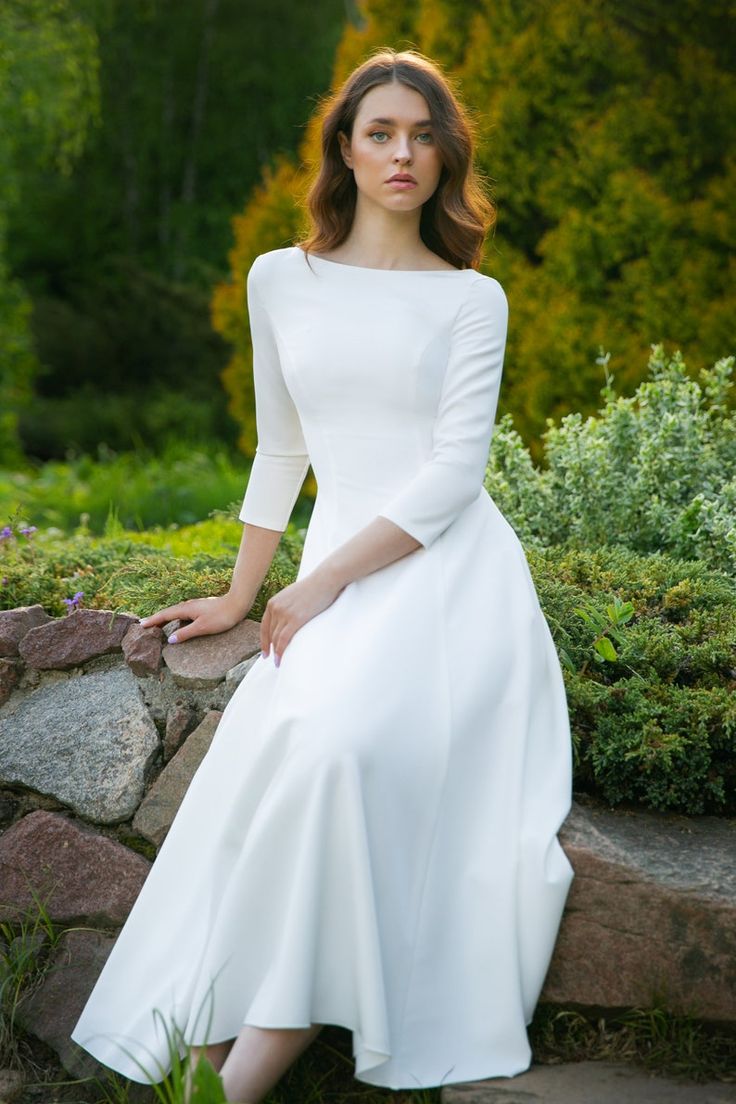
column 199, row 627
column 171, row 613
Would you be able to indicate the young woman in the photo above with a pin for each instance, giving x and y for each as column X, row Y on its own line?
column 371, row 839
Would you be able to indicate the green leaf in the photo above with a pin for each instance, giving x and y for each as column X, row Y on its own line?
column 605, row 648
column 207, row 1085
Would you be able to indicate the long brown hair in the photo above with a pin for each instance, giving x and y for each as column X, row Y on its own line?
column 456, row 218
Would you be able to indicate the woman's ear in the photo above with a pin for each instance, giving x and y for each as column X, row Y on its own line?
column 345, row 148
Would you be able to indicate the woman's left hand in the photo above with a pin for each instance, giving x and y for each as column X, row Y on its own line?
column 291, row 608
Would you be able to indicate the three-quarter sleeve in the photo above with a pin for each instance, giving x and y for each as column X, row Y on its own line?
column 452, row 476
column 281, row 460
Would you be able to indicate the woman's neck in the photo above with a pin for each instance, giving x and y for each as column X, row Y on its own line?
column 384, row 239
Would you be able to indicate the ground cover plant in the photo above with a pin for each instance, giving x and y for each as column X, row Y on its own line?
column 646, row 642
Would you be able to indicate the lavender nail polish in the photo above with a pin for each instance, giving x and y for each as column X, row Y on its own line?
column 173, row 639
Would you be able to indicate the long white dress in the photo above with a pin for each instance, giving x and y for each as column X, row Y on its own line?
column 371, row 840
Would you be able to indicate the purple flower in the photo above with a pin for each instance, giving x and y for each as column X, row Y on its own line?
column 6, row 533
column 73, row 603
column 28, row 529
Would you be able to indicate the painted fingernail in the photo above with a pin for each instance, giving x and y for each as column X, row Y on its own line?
column 142, row 620
column 276, row 659
column 173, row 639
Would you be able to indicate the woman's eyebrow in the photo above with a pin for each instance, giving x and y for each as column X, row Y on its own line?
column 392, row 122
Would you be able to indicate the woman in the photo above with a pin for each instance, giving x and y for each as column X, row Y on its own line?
column 371, row 839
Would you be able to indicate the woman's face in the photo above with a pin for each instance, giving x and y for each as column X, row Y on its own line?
column 392, row 135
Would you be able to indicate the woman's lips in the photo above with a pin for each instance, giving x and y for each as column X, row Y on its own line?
column 401, row 185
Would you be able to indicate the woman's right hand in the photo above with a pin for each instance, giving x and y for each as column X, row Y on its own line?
column 207, row 616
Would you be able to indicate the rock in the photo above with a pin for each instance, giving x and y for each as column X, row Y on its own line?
column 162, row 694
column 588, row 1083
column 87, row 741
column 77, row 873
column 162, row 801
column 142, row 649
column 651, row 914
column 9, row 677
column 51, row 1011
column 15, row 623
column 11, row 1086
column 236, row 674
column 71, row 640
column 180, row 720
column 204, row 661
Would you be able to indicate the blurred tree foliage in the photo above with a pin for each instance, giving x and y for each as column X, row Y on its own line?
column 197, row 98
column 49, row 96
column 606, row 138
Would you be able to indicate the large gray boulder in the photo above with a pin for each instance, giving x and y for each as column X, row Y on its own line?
column 87, row 741
column 651, row 914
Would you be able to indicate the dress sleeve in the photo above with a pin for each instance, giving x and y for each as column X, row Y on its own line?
column 281, row 460
column 452, row 477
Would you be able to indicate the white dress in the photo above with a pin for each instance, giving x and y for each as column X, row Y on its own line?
column 371, row 840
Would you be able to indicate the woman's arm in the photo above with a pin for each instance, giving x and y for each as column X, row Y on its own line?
column 214, row 615
column 377, row 544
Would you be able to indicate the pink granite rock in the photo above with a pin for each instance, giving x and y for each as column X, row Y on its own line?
column 180, row 720
column 9, row 676
column 160, row 805
column 651, row 914
column 204, row 661
column 77, row 873
column 71, row 640
column 142, row 649
column 51, row 1010
column 15, row 623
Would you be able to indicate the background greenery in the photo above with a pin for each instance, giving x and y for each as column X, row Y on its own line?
column 132, row 131
column 150, row 149
column 605, row 137
column 134, row 198
column 630, row 534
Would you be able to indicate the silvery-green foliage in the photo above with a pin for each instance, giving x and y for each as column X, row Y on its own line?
column 517, row 487
column 655, row 471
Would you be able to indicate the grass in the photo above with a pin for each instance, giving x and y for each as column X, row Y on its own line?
column 180, row 486
column 25, row 946
column 653, row 1038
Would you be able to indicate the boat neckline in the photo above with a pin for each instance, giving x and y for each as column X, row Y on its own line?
column 402, row 271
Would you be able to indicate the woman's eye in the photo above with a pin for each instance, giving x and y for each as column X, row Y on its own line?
column 426, row 137
column 378, row 135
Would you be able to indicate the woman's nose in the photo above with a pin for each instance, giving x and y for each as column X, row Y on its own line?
column 403, row 151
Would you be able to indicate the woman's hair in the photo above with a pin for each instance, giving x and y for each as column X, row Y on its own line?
column 456, row 218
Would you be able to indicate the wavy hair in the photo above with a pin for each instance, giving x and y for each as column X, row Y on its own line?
column 456, row 218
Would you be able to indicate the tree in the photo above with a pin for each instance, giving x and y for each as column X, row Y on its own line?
column 605, row 137
column 48, row 99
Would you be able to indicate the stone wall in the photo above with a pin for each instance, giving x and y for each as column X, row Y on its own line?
column 102, row 727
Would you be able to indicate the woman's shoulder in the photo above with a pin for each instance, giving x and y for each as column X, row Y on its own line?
column 271, row 264
column 486, row 293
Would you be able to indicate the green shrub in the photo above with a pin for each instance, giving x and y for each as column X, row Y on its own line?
column 647, row 643
column 656, row 725
column 652, row 472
